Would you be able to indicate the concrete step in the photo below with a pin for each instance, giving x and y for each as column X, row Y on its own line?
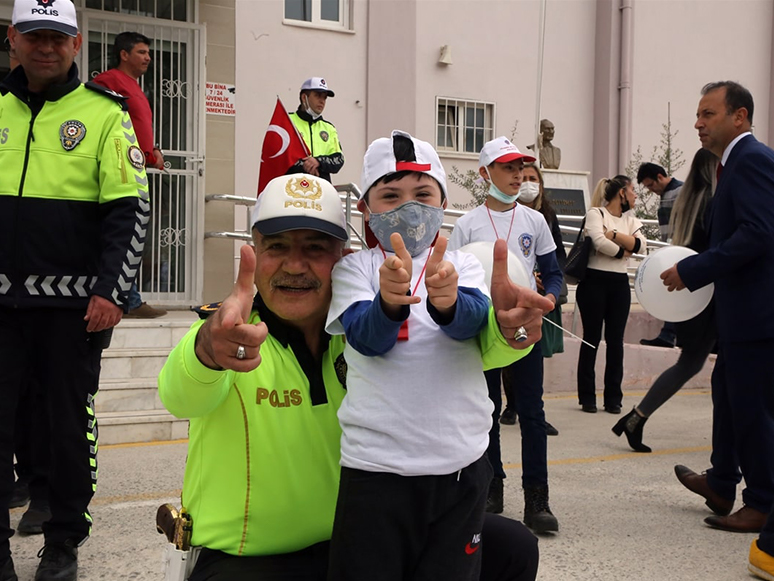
column 127, row 364
column 116, row 395
column 140, row 426
column 164, row 332
column 128, row 405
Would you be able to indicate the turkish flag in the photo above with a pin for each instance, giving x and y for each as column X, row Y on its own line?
column 282, row 147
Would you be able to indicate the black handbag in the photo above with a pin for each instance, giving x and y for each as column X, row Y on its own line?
column 578, row 257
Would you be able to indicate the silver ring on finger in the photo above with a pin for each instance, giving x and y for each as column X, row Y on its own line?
column 241, row 353
column 521, row 334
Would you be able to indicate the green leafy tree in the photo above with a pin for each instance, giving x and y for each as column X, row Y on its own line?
column 471, row 181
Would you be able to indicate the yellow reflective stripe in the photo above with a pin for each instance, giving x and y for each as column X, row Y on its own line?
column 120, row 159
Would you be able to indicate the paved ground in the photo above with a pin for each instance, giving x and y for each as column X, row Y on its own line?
column 623, row 516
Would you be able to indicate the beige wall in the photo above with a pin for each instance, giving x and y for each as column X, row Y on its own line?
column 219, row 16
column 274, row 59
column 386, row 75
column 677, row 55
column 495, row 59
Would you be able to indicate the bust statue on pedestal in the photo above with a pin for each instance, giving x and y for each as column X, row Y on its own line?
column 550, row 155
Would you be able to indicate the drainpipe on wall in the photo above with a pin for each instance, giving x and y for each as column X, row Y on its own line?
column 625, row 85
column 539, row 96
column 770, row 136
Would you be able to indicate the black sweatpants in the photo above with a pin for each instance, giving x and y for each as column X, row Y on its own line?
column 51, row 347
column 509, row 552
column 409, row 528
column 602, row 297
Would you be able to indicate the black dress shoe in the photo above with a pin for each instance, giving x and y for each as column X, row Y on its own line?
column 550, row 430
column 589, row 408
column 657, row 342
column 508, row 417
column 744, row 520
column 613, row 409
column 697, row 483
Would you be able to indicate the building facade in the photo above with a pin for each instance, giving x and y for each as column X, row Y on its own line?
column 453, row 72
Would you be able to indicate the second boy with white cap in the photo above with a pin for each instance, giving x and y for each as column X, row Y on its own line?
column 500, row 217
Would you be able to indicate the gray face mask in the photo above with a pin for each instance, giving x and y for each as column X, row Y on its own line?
column 417, row 224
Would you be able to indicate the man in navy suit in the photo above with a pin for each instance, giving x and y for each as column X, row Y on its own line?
column 740, row 261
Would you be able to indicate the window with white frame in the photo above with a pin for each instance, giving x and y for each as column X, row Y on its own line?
column 320, row 12
column 463, row 126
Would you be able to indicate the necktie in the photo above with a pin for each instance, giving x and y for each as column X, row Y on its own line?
column 719, row 171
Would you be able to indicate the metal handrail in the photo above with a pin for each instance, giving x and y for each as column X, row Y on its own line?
column 350, row 195
column 239, row 201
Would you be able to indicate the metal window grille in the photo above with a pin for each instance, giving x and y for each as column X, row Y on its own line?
column 171, row 269
column 463, row 126
column 180, row 10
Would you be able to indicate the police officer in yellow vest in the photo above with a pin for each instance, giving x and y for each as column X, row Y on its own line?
column 325, row 156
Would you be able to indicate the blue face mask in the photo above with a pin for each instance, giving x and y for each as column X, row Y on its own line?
column 417, row 224
column 498, row 194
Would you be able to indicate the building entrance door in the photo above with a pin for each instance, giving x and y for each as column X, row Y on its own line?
column 171, row 270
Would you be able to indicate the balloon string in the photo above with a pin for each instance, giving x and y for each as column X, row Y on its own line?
column 566, row 331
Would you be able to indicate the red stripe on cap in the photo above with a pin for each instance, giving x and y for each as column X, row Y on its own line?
column 411, row 166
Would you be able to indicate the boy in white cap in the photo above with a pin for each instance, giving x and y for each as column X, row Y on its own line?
column 528, row 237
column 321, row 138
column 415, row 420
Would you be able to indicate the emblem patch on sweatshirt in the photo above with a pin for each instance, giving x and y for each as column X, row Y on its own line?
column 71, row 133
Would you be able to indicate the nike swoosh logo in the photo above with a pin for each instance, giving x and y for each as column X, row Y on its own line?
column 470, row 550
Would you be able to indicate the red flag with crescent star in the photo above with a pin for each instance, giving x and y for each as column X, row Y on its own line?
column 282, row 147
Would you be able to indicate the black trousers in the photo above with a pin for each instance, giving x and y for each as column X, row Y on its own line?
column 31, row 448
column 509, row 552
column 52, row 348
column 766, row 538
column 743, row 423
column 602, row 297
column 525, row 379
column 409, row 528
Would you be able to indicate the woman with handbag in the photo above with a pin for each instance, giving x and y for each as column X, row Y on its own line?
column 696, row 336
column 531, row 194
column 603, row 296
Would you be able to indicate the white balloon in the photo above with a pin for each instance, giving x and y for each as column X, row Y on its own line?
column 675, row 306
column 484, row 251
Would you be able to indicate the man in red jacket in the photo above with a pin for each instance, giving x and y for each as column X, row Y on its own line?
column 131, row 57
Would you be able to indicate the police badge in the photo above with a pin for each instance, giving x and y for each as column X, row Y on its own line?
column 71, row 133
column 525, row 243
column 136, row 157
column 324, row 135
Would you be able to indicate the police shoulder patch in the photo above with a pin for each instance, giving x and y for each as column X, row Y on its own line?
column 136, row 157
column 117, row 97
column 205, row 311
column 340, row 365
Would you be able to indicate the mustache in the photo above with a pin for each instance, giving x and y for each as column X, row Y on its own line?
column 295, row 282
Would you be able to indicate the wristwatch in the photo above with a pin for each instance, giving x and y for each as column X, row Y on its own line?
column 157, row 147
